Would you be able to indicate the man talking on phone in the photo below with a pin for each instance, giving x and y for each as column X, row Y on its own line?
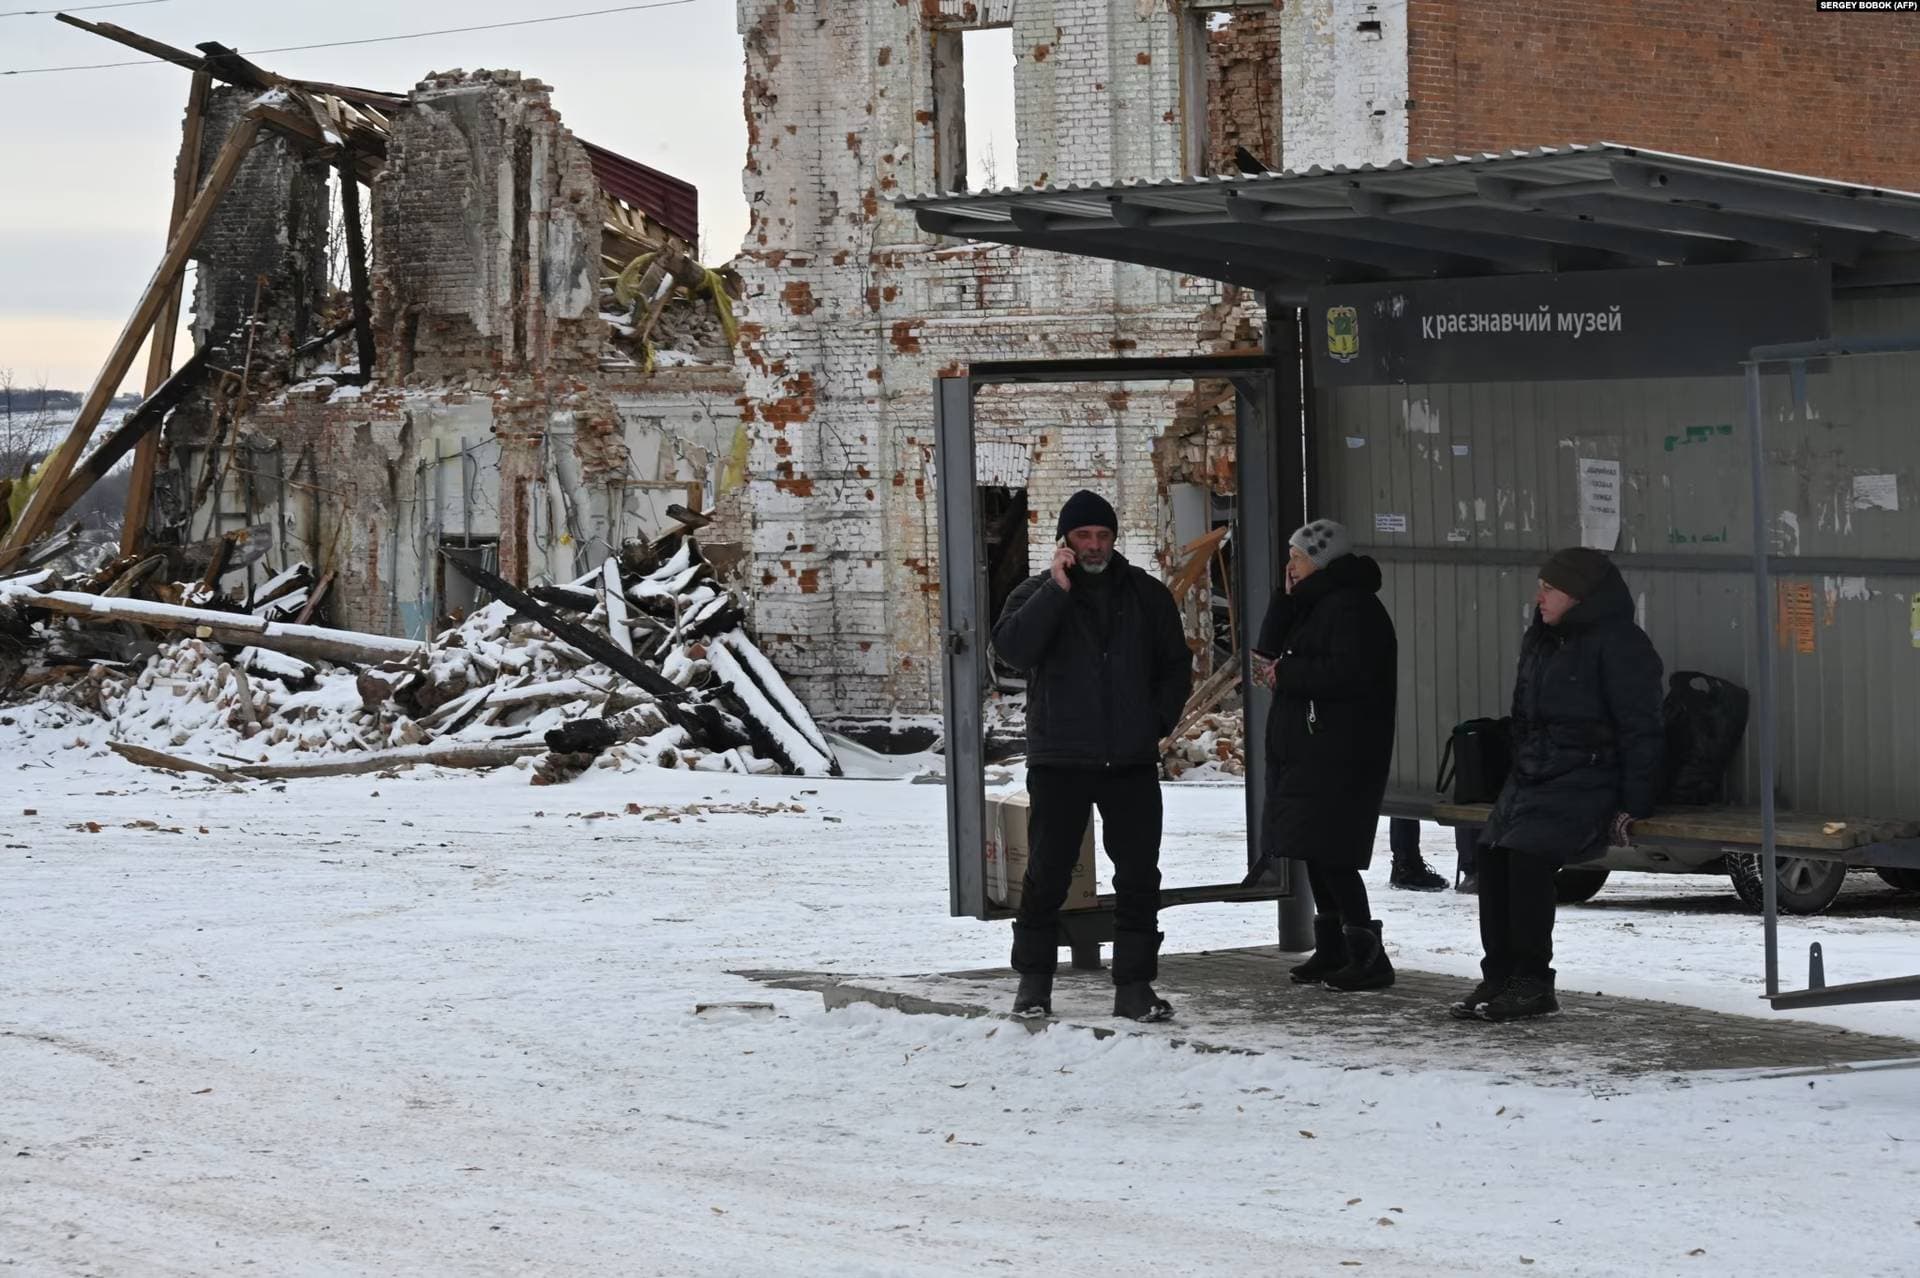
column 1108, row 673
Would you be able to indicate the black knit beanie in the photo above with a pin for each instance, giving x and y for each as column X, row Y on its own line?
column 1086, row 510
column 1576, row 570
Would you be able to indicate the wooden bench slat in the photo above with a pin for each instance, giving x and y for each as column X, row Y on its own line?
column 1736, row 826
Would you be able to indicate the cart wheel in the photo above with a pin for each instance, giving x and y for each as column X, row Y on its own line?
column 1905, row 880
column 1574, row 884
column 1804, row 885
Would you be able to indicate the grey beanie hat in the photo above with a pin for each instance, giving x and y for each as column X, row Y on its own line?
column 1323, row 541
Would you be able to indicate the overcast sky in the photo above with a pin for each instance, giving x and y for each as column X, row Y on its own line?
column 86, row 157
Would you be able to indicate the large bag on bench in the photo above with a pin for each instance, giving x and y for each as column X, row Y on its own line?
column 1476, row 761
column 1706, row 719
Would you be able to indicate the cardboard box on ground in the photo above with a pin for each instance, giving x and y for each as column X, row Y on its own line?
column 1007, row 855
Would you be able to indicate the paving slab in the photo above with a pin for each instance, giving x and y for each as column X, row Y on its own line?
column 1241, row 1000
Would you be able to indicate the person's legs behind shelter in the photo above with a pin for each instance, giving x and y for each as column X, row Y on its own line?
column 1059, row 805
column 1410, row 868
column 1466, row 851
column 1130, row 825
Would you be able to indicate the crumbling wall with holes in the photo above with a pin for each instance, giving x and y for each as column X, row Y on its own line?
column 853, row 310
column 498, row 416
column 489, row 224
column 261, row 264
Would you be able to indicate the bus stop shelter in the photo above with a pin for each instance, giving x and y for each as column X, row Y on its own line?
column 1705, row 369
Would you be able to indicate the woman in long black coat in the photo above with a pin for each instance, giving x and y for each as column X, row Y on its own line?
column 1327, row 649
column 1587, row 746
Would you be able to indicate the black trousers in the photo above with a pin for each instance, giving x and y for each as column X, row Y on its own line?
column 1060, row 803
column 1339, row 894
column 1516, row 914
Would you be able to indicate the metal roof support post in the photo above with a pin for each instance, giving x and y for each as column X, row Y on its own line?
column 963, row 632
column 1763, row 672
column 1267, row 464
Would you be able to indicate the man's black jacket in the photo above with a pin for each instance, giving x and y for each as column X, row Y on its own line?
column 1108, row 669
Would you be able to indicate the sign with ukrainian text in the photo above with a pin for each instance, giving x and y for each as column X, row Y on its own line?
column 1695, row 321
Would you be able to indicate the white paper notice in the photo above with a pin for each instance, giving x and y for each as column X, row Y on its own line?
column 1461, row 450
column 1355, row 441
column 1389, row 523
column 1876, row 492
column 1599, row 503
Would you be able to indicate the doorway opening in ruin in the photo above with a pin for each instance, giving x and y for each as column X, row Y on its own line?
column 455, row 595
column 1003, row 524
column 1230, row 85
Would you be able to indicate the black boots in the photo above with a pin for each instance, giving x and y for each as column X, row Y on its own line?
column 1524, row 996
column 1367, row 967
column 1136, row 961
column 1470, row 1007
column 1035, row 996
column 1410, row 870
column 1329, row 952
column 1137, row 1002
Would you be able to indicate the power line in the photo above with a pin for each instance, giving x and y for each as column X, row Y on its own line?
column 89, row 8
column 340, row 44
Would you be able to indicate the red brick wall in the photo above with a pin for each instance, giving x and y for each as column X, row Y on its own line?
column 1243, row 89
column 1771, row 83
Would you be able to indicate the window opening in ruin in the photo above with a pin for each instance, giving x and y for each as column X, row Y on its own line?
column 336, row 307
column 976, row 134
column 1230, row 86
column 993, row 143
column 1003, row 524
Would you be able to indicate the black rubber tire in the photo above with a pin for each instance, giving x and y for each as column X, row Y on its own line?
column 1904, row 880
column 1804, row 885
column 1576, row 883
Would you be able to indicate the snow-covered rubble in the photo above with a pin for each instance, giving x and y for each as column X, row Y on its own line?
column 496, row 678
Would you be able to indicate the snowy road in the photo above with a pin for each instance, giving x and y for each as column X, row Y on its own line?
column 443, row 1024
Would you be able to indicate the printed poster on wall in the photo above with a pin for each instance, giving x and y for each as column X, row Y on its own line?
column 1599, row 503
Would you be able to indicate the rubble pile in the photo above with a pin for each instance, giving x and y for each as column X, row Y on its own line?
column 644, row 662
column 1212, row 745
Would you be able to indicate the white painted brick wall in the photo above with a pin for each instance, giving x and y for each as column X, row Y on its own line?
column 852, row 310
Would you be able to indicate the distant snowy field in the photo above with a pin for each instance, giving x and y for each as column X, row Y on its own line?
column 443, row 1023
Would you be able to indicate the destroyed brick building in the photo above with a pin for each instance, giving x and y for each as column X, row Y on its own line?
column 429, row 360
column 500, row 417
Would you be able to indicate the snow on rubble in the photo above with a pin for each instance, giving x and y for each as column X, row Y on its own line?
column 251, row 685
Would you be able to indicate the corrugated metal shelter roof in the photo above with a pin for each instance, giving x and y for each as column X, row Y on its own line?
column 1551, row 209
column 664, row 198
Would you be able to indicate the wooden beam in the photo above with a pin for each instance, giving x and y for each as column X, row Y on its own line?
column 357, row 265
column 602, row 650
column 136, row 430
column 242, row 629
column 186, row 180
column 40, row 511
column 134, row 40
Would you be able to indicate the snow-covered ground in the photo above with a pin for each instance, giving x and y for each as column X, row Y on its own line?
column 439, row 1023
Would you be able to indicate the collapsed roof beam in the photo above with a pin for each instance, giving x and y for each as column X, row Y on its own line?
column 226, row 64
column 1741, row 195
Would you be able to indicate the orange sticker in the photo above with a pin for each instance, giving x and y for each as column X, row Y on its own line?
column 1796, row 624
